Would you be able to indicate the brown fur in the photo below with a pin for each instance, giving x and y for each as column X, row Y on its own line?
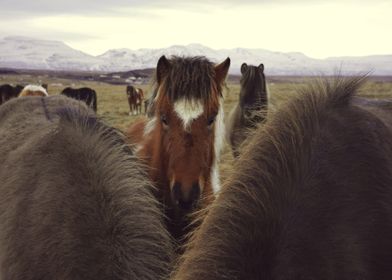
column 177, row 156
column 135, row 98
column 251, row 107
column 75, row 203
column 310, row 197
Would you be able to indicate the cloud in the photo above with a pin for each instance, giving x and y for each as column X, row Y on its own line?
column 35, row 8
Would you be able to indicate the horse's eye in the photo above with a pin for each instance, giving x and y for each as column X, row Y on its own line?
column 211, row 120
column 164, row 119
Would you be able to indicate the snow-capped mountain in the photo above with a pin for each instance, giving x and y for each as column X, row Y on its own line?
column 29, row 53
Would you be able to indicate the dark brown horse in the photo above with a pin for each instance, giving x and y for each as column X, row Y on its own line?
column 85, row 94
column 8, row 91
column 310, row 197
column 251, row 107
column 75, row 203
column 135, row 98
column 181, row 142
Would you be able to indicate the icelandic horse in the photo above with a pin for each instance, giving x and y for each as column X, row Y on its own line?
column 181, row 141
column 84, row 94
column 33, row 90
column 135, row 97
column 251, row 107
column 75, row 202
column 309, row 198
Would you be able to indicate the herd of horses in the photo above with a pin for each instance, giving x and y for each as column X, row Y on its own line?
column 135, row 96
column 309, row 195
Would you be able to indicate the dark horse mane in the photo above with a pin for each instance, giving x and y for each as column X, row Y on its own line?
column 309, row 197
column 194, row 81
column 76, row 203
column 250, row 83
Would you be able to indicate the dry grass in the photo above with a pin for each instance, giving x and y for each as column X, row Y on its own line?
column 113, row 106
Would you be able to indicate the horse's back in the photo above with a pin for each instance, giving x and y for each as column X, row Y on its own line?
column 310, row 198
column 75, row 203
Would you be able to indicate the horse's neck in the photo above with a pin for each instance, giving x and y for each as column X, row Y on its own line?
column 253, row 99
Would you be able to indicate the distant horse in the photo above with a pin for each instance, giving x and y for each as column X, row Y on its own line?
column 310, row 197
column 33, row 90
column 7, row 92
column 135, row 98
column 88, row 95
column 251, row 107
column 181, row 142
column 75, row 203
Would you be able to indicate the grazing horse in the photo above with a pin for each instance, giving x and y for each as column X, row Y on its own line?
column 33, row 90
column 75, row 202
column 251, row 107
column 135, row 98
column 310, row 197
column 7, row 92
column 88, row 95
column 181, row 143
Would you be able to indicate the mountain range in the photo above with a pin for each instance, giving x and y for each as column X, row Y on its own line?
column 35, row 54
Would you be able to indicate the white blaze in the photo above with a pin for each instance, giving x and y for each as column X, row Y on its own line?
column 188, row 110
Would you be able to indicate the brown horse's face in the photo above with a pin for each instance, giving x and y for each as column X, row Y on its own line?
column 188, row 131
column 191, row 136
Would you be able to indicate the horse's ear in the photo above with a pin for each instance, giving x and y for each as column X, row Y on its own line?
column 163, row 67
column 221, row 70
column 261, row 67
column 244, row 66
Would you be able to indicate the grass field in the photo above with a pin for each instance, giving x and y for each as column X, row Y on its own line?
column 113, row 106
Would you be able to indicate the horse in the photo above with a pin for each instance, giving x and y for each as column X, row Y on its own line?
column 33, row 90
column 86, row 94
column 309, row 198
column 181, row 142
column 8, row 91
column 75, row 202
column 135, row 98
column 251, row 107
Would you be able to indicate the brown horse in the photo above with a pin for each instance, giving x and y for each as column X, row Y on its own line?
column 135, row 98
column 310, row 197
column 181, row 142
column 251, row 107
column 33, row 90
column 75, row 203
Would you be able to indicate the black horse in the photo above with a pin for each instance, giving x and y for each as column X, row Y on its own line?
column 88, row 95
column 7, row 92
column 251, row 107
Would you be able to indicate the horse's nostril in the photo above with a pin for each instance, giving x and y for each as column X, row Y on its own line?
column 185, row 200
column 195, row 193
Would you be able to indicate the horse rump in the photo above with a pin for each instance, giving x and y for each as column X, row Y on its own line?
column 310, row 197
column 75, row 202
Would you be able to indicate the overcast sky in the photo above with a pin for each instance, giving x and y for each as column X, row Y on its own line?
column 317, row 28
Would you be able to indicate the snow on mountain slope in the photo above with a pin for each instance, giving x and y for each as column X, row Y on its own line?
column 29, row 53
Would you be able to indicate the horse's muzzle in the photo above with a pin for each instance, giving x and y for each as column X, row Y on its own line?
column 186, row 198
